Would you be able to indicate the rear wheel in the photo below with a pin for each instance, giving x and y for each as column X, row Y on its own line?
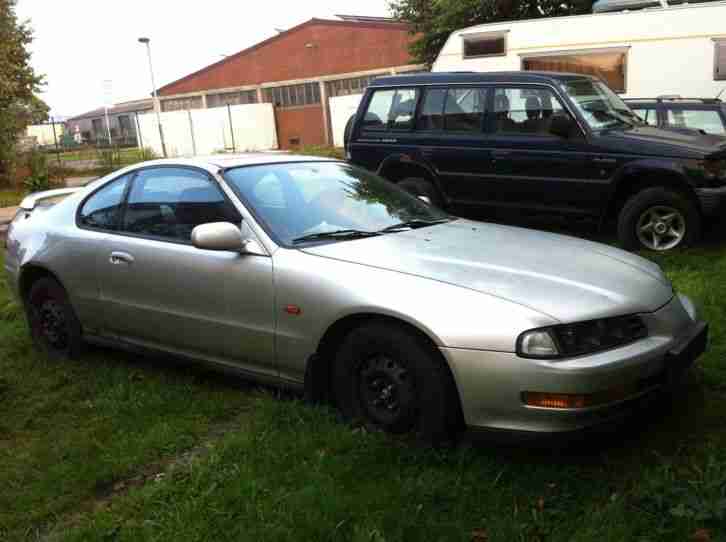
column 659, row 219
column 54, row 327
column 422, row 187
column 390, row 379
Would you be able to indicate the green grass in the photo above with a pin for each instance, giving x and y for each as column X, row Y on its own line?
column 324, row 151
column 11, row 197
column 129, row 155
column 68, row 431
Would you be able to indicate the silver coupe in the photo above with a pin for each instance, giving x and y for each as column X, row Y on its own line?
column 313, row 274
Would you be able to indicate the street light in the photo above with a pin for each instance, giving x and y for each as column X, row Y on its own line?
column 157, row 104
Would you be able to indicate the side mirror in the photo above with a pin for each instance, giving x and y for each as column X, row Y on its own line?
column 562, row 125
column 218, row 236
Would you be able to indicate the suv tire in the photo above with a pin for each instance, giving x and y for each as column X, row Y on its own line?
column 422, row 187
column 659, row 219
column 387, row 377
column 54, row 326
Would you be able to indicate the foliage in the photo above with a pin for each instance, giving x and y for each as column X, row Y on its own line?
column 432, row 21
column 19, row 106
column 39, row 178
column 324, row 151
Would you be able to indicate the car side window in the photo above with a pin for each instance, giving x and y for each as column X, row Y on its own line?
column 168, row 203
column 649, row 116
column 391, row 110
column 525, row 111
column 707, row 120
column 103, row 209
column 464, row 110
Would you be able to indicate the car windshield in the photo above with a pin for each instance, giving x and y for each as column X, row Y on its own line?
column 307, row 202
column 600, row 106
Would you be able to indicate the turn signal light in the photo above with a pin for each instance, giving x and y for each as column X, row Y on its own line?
column 554, row 400
column 573, row 401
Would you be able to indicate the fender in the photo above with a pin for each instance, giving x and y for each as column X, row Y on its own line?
column 413, row 162
column 646, row 167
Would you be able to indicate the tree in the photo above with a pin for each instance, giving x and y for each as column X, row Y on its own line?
column 19, row 105
column 433, row 21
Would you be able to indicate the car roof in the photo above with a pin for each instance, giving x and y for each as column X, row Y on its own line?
column 227, row 161
column 551, row 78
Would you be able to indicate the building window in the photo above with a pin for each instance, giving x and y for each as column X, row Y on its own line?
column 124, row 124
column 232, row 98
column 482, row 45
column 354, row 85
column 293, row 95
column 719, row 71
column 610, row 66
column 97, row 125
column 182, row 104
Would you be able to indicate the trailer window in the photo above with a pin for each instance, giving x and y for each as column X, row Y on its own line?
column 719, row 73
column 479, row 45
column 609, row 66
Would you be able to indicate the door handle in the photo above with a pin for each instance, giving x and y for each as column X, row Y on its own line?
column 121, row 258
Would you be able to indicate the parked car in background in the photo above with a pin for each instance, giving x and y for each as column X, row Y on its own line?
column 555, row 143
column 318, row 275
column 706, row 115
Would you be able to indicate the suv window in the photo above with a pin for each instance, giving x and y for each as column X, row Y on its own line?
column 707, row 120
column 524, row 110
column 456, row 110
column 649, row 116
column 170, row 202
column 103, row 209
column 391, row 110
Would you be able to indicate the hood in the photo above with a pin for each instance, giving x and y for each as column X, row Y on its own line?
column 562, row 277
column 658, row 142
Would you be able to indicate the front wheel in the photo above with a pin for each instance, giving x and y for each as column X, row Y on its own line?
column 390, row 379
column 54, row 327
column 659, row 219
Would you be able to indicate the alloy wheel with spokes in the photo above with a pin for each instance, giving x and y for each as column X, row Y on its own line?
column 661, row 228
column 54, row 326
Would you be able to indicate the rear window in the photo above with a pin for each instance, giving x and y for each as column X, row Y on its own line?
column 391, row 110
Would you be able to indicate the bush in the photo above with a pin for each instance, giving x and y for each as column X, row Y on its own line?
column 39, row 177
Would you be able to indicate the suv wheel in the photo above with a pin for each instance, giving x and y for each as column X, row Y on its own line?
column 659, row 219
column 422, row 188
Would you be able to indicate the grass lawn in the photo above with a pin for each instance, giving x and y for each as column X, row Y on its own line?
column 277, row 469
column 11, row 197
column 130, row 155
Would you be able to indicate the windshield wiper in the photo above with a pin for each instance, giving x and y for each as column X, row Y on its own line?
column 336, row 235
column 413, row 224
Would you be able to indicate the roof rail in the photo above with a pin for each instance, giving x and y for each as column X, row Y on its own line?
column 674, row 98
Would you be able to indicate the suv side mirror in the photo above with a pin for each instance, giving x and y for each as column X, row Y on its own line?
column 562, row 125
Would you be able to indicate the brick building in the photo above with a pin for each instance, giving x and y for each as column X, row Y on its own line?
column 297, row 71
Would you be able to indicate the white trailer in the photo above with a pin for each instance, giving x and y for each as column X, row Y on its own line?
column 671, row 50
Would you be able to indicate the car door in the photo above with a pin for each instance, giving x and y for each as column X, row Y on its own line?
column 160, row 291
column 450, row 132
column 536, row 169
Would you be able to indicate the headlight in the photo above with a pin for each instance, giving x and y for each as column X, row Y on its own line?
column 570, row 340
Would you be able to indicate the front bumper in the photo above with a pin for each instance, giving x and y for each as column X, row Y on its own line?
column 491, row 384
column 712, row 200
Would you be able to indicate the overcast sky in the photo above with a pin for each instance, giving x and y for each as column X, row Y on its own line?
column 81, row 43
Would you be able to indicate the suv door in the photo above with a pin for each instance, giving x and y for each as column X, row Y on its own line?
column 536, row 169
column 159, row 291
column 450, row 134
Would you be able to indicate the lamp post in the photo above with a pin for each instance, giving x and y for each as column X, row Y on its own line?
column 157, row 104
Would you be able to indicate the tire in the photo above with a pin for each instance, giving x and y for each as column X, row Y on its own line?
column 54, row 326
column 659, row 219
column 390, row 379
column 422, row 187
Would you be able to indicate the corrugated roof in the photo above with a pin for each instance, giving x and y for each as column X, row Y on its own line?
column 118, row 109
